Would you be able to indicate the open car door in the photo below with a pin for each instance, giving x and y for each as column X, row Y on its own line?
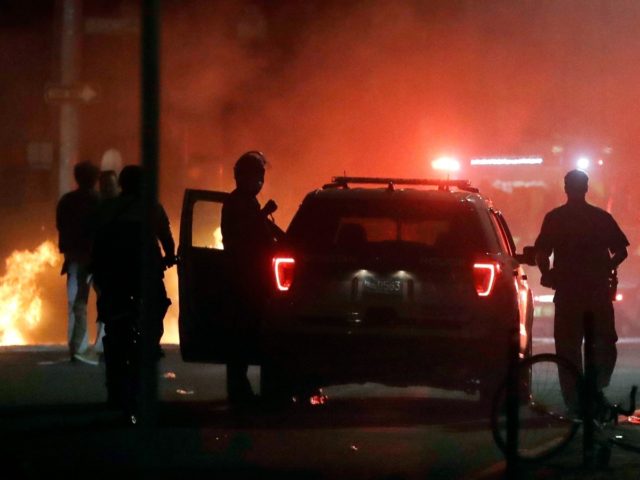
column 206, row 313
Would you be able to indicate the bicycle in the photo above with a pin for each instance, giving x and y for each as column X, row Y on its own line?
column 549, row 419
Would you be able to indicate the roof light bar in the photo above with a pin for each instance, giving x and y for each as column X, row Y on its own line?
column 506, row 161
column 443, row 184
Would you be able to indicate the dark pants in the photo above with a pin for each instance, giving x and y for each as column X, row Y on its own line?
column 122, row 352
column 247, row 309
column 569, row 333
column 238, row 387
column 120, row 311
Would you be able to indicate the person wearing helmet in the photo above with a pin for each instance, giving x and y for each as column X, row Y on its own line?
column 248, row 237
column 588, row 246
column 117, row 262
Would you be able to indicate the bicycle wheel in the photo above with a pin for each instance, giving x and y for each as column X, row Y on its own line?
column 548, row 420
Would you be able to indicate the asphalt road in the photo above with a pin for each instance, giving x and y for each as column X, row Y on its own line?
column 53, row 419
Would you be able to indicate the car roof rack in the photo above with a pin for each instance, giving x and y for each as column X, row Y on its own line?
column 344, row 182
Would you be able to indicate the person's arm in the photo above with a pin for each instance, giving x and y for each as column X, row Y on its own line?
column 166, row 238
column 544, row 246
column 618, row 244
column 618, row 257
column 542, row 260
column 269, row 208
column 247, row 223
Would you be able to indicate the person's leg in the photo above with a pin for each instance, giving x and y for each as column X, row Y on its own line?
column 114, row 367
column 568, row 333
column 605, row 337
column 240, row 344
column 238, row 386
column 98, row 347
column 80, row 334
column 162, row 303
column 121, row 362
column 72, row 292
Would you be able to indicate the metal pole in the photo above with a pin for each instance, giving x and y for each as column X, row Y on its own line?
column 69, row 62
column 150, row 151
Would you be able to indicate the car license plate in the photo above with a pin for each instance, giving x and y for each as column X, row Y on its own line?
column 383, row 287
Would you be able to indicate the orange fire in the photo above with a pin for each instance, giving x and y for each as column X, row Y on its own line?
column 20, row 302
column 171, row 333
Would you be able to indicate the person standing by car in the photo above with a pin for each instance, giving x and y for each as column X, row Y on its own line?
column 73, row 221
column 587, row 245
column 117, row 267
column 247, row 236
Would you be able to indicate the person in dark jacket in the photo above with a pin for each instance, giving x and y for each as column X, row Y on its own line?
column 117, row 263
column 588, row 246
column 74, row 212
column 248, row 237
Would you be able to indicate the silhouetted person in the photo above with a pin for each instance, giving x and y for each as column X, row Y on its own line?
column 587, row 245
column 73, row 221
column 248, row 237
column 117, row 265
column 108, row 190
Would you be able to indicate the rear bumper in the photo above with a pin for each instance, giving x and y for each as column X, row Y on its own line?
column 456, row 360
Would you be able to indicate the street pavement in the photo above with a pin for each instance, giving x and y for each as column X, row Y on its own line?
column 53, row 419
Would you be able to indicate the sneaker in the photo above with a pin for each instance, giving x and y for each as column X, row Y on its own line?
column 88, row 357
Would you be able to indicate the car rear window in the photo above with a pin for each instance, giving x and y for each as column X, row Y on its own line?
column 442, row 228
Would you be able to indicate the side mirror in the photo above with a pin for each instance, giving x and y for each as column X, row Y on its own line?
column 528, row 256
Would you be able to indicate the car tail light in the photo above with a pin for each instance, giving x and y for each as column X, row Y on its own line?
column 484, row 277
column 283, row 268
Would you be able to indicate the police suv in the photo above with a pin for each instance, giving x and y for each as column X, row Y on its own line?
column 396, row 281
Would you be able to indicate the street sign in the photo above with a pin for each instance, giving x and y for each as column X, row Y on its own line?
column 85, row 93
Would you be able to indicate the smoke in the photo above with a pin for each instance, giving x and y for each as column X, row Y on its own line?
column 366, row 88
column 381, row 87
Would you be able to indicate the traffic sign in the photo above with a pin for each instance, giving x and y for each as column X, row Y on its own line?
column 85, row 93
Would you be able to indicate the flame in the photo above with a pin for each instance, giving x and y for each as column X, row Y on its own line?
column 171, row 332
column 217, row 239
column 20, row 302
column 318, row 399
